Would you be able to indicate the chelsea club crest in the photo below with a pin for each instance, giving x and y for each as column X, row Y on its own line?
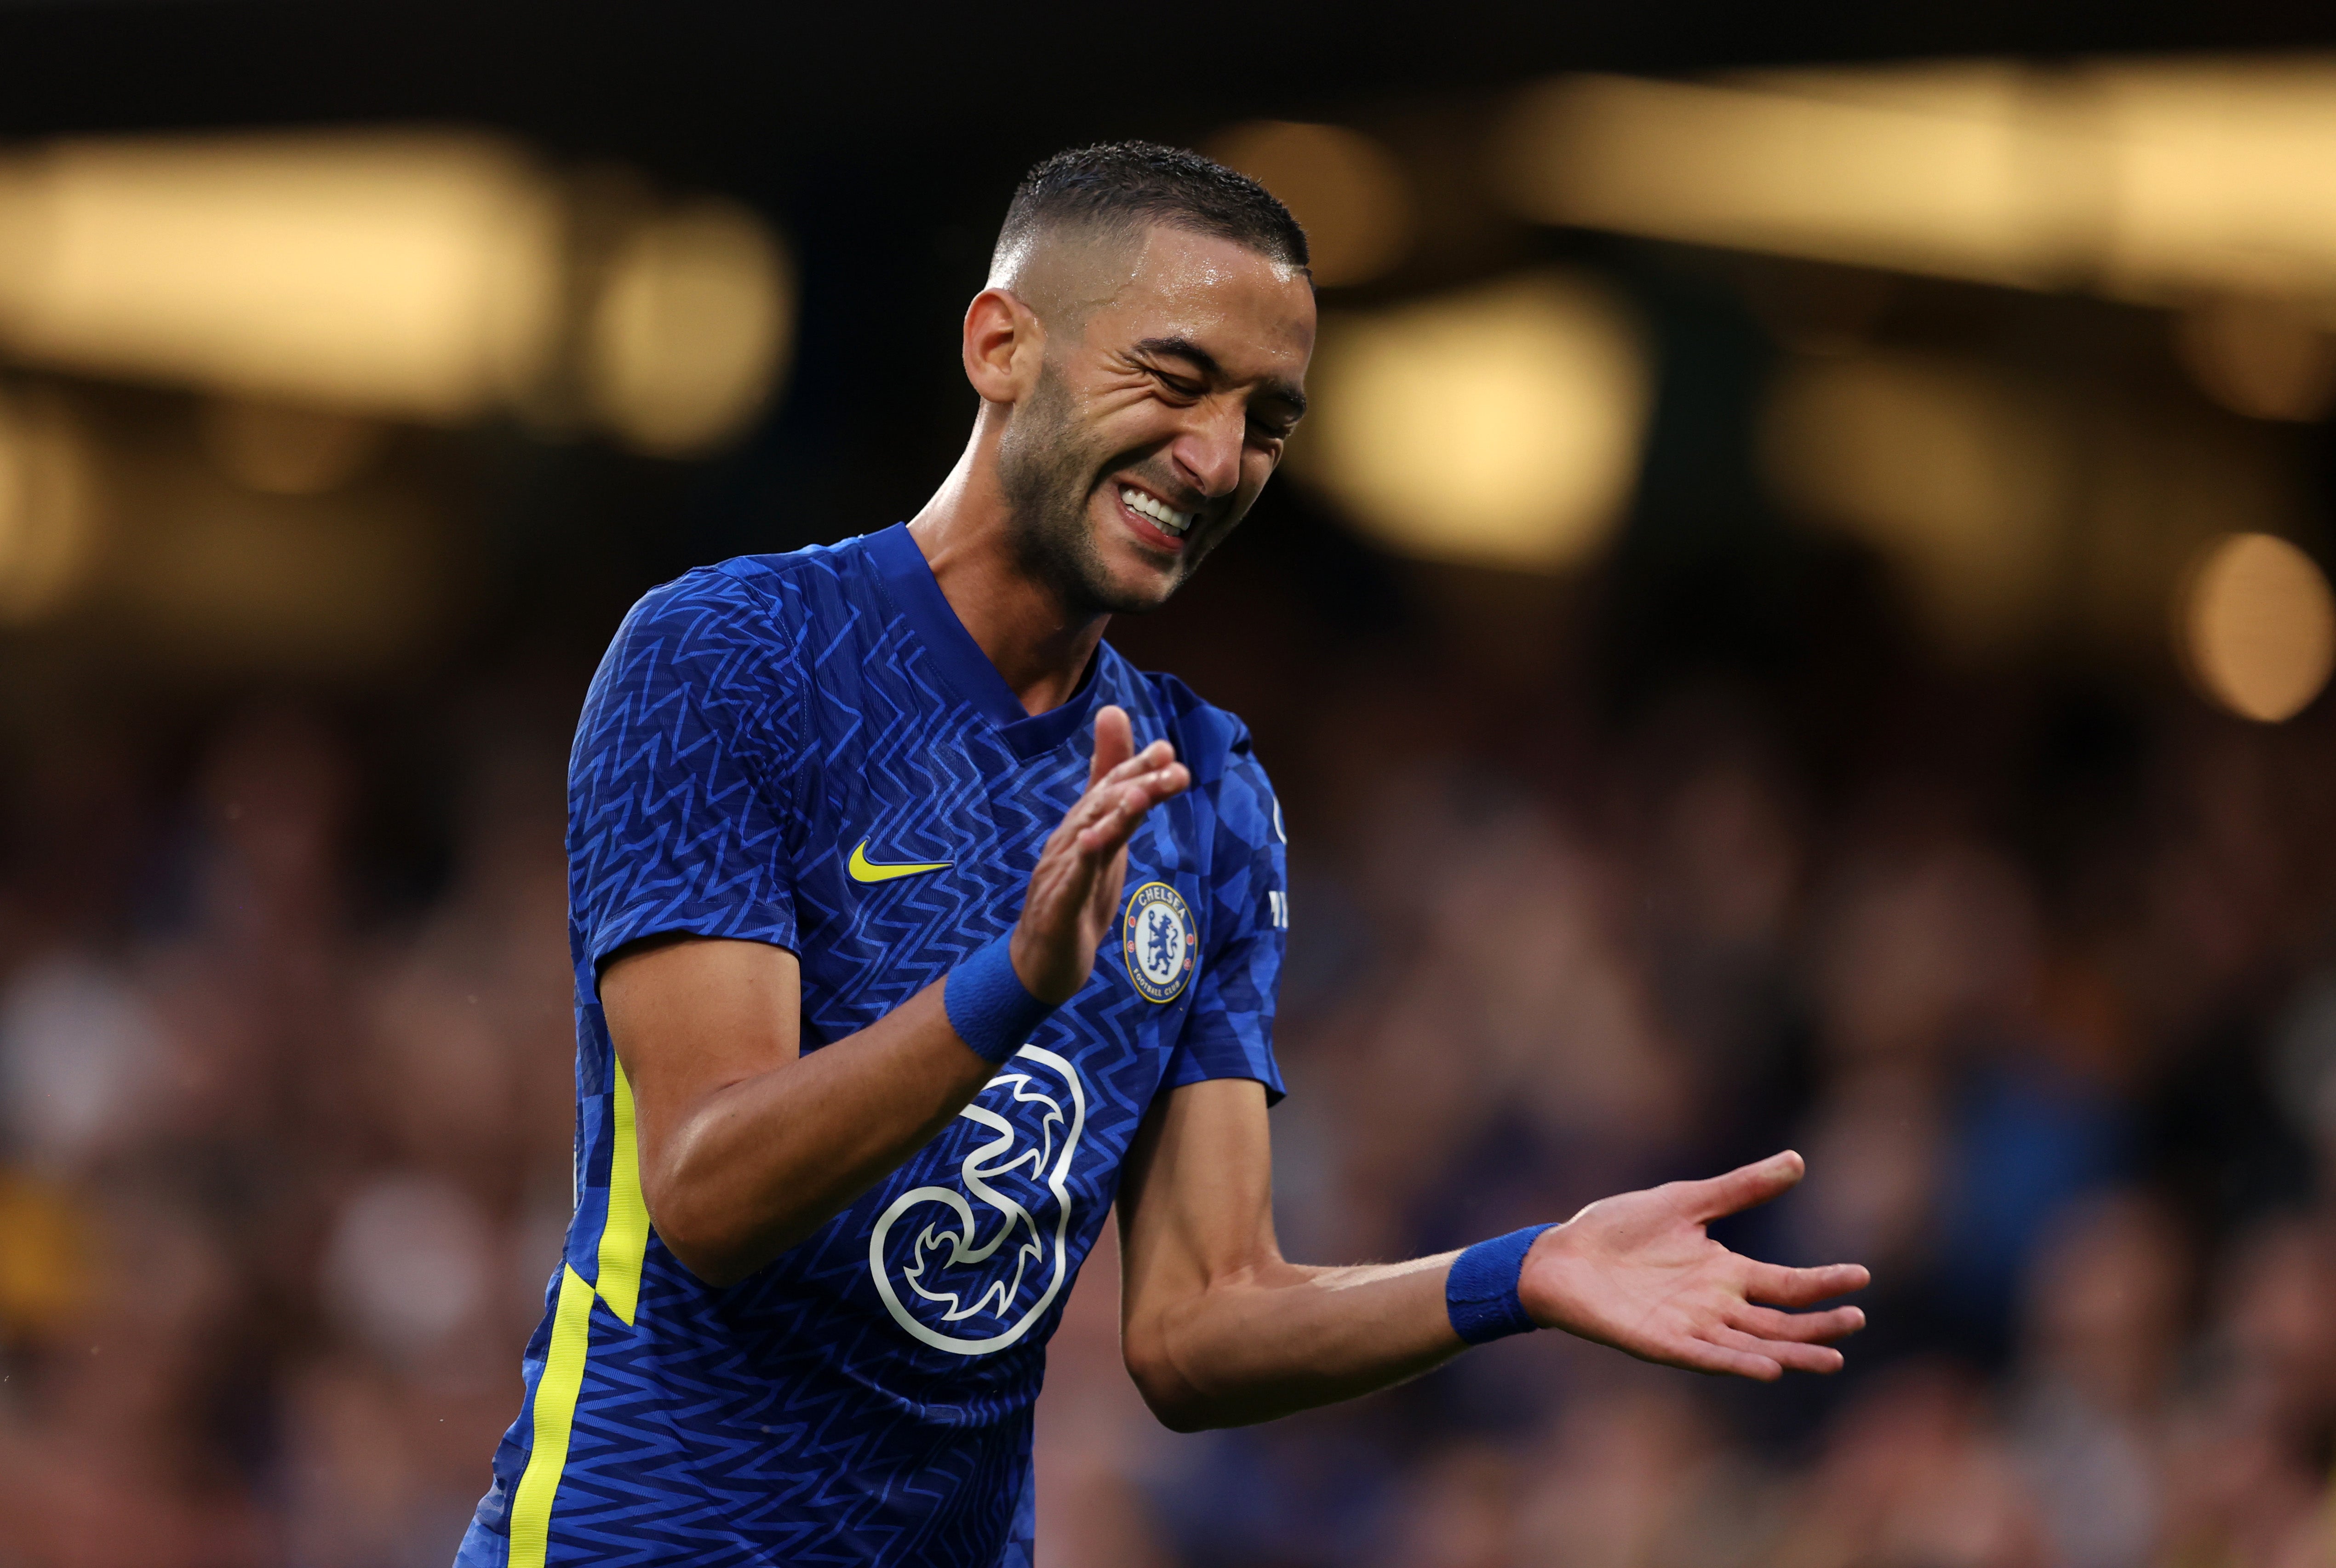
column 1159, row 941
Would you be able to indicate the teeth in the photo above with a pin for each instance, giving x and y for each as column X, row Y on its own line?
column 1158, row 511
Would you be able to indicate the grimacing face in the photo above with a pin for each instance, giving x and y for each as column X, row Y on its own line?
column 1161, row 409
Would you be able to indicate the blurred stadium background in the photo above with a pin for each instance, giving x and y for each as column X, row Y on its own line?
column 1801, row 618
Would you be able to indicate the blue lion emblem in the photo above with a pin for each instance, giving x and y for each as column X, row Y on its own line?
column 1160, row 939
column 1157, row 941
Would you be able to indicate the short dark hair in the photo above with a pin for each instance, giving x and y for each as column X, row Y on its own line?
column 1127, row 184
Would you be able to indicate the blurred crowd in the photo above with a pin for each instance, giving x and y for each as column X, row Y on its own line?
column 2049, row 1001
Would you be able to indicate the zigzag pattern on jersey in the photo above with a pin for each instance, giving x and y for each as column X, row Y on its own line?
column 751, row 724
column 684, row 746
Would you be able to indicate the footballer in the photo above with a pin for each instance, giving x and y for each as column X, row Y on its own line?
column 913, row 928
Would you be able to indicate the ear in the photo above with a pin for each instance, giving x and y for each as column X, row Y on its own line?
column 1004, row 345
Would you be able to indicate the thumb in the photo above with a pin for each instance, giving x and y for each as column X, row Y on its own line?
column 1747, row 1186
column 1114, row 742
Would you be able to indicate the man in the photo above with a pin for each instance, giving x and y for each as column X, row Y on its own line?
column 912, row 926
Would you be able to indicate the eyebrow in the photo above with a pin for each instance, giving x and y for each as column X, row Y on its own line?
column 1202, row 360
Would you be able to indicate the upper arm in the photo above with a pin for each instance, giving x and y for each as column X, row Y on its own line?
column 680, row 809
column 689, row 1018
column 1229, row 1032
column 1196, row 1204
column 680, row 884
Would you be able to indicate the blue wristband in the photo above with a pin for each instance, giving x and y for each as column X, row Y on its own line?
column 1481, row 1291
column 987, row 1006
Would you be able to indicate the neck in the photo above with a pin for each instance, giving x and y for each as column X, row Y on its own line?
column 966, row 535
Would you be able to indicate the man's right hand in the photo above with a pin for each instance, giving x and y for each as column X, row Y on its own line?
column 746, row 1145
column 1074, row 891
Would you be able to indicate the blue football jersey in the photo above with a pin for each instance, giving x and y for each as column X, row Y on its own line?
column 810, row 750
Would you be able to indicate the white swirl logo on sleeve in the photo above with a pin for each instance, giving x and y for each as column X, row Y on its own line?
column 972, row 1266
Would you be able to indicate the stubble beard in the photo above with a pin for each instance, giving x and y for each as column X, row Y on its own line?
column 1046, row 473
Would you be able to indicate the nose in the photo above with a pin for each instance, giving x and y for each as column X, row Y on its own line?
column 1209, row 450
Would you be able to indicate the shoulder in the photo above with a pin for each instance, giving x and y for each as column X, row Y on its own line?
column 1210, row 740
column 747, row 592
column 734, row 620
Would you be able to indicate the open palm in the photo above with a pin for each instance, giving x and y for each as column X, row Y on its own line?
column 1638, row 1272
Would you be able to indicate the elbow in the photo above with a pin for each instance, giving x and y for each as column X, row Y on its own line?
column 694, row 1232
column 1171, row 1396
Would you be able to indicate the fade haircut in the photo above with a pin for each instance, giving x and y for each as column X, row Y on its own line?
column 1121, row 186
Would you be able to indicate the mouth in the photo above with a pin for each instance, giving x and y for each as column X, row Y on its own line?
column 1154, row 519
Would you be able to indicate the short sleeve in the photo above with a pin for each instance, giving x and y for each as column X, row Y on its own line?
column 1228, row 1033
column 676, row 817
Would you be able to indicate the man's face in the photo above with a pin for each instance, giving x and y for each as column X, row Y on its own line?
column 1158, row 418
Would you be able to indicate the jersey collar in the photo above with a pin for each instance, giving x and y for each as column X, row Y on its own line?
column 909, row 581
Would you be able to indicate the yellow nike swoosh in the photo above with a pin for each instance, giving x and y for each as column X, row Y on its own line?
column 863, row 870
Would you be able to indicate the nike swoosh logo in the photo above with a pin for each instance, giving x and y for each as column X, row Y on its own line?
column 864, row 870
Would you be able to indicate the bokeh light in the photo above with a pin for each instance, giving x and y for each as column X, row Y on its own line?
column 415, row 276
column 2264, row 358
column 1924, row 179
column 48, row 507
column 2258, row 626
column 1344, row 185
column 2149, row 181
column 692, row 329
column 1500, row 426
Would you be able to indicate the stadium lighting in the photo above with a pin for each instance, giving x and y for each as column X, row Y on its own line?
column 1500, row 426
column 415, row 276
column 403, row 275
column 692, row 328
column 1345, row 186
column 2257, row 626
column 48, row 509
column 2153, row 183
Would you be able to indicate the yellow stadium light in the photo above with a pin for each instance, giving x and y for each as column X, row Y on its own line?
column 1934, row 185
column 48, row 509
column 415, row 275
column 2221, row 175
column 2257, row 626
column 692, row 329
column 1343, row 186
column 1500, row 426
column 2152, row 183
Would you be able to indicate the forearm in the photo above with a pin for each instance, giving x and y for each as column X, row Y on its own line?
column 1277, row 1338
column 755, row 1165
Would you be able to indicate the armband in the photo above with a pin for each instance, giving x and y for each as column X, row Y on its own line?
column 987, row 1005
column 1480, row 1292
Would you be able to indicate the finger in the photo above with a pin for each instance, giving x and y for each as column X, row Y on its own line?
column 1744, row 1187
column 1704, row 1356
column 1114, row 740
column 1809, row 1327
column 1128, row 806
column 1790, row 1354
column 1150, row 759
column 1102, row 799
column 1101, row 795
column 1803, row 1286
